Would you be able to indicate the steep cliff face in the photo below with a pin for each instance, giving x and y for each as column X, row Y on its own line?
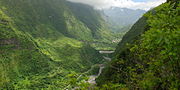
column 148, row 57
column 42, row 41
column 46, row 18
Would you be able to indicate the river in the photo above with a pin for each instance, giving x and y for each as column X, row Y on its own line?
column 92, row 78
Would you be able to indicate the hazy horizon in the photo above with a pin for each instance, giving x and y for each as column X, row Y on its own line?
column 131, row 4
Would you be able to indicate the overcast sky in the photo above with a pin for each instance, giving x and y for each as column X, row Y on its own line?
column 132, row 4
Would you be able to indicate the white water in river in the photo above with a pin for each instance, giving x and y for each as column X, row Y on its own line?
column 92, row 78
column 106, row 52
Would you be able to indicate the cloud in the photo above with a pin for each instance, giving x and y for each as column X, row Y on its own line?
column 102, row 4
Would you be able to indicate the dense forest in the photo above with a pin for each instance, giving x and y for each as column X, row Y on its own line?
column 57, row 45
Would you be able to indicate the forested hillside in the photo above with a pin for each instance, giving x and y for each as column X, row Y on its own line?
column 148, row 57
column 46, row 44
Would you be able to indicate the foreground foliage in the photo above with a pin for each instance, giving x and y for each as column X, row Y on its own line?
column 152, row 61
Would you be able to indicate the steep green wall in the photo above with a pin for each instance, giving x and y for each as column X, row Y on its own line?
column 44, row 18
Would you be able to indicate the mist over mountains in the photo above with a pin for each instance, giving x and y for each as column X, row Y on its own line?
column 120, row 18
column 131, row 4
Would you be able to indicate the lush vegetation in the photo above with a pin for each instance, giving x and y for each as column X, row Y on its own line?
column 149, row 59
column 52, row 44
column 44, row 45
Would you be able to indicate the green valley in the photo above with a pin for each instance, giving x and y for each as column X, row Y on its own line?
column 43, row 42
column 70, row 45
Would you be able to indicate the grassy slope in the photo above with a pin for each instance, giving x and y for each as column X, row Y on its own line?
column 99, row 29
